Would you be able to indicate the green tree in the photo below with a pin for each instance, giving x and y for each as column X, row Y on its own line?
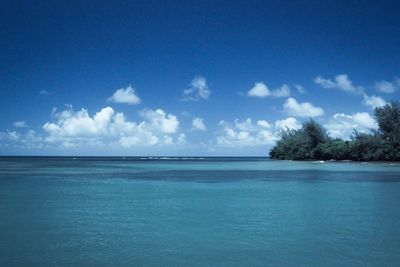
column 366, row 147
column 313, row 142
column 299, row 144
column 314, row 134
column 290, row 146
column 388, row 118
column 333, row 149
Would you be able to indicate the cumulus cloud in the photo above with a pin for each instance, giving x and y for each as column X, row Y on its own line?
column 79, row 124
column 373, row 101
column 288, row 123
column 198, row 90
column 245, row 133
column 342, row 125
column 20, row 124
column 198, row 124
column 161, row 121
column 283, row 91
column 261, row 90
column 263, row 124
column 341, row 82
column 306, row 109
column 125, row 96
column 77, row 128
column 386, row 87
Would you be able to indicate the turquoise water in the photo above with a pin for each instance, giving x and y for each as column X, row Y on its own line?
column 198, row 212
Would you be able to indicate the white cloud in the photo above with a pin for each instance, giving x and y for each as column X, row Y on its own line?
column 181, row 139
column 10, row 136
column 373, row 101
column 385, row 87
column 364, row 119
column 144, row 138
column 161, row 121
column 288, row 123
column 341, row 82
column 77, row 128
column 300, row 88
column 306, row 109
column 27, row 140
column 245, row 133
column 198, row 90
column 198, row 124
column 246, row 125
column 125, row 96
column 283, row 91
column 20, row 124
column 79, row 124
column 259, row 89
column 263, row 124
column 342, row 125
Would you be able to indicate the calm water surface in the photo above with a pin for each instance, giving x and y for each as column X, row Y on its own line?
column 198, row 212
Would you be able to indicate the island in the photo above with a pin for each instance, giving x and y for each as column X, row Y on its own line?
column 312, row 141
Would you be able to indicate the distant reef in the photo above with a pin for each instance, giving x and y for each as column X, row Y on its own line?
column 312, row 141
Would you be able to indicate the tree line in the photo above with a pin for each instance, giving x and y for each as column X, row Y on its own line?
column 312, row 142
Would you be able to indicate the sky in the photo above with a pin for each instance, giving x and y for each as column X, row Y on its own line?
column 190, row 78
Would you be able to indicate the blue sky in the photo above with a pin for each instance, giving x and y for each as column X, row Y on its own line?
column 190, row 77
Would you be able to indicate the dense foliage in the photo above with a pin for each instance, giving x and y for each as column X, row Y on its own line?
column 313, row 142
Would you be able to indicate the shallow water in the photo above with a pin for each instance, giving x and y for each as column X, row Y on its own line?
column 198, row 212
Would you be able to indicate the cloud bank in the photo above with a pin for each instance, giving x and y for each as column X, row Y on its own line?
column 245, row 133
column 107, row 127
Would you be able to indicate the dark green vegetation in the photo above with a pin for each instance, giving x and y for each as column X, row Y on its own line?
column 313, row 142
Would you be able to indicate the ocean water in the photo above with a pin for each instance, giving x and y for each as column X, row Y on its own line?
column 198, row 212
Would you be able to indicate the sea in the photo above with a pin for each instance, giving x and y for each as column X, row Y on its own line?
column 197, row 211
